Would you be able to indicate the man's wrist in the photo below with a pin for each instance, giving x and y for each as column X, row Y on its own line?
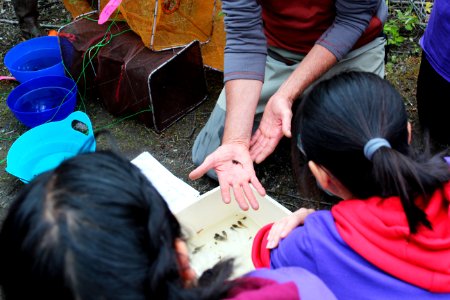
column 236, row 142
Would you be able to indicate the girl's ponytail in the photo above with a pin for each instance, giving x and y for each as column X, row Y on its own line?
column 397, row 174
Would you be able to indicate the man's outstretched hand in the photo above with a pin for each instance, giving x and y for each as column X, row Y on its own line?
column 275, row 123
column 234, row 169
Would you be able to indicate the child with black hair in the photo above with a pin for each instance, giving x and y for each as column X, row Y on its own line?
column 96, row 228
column 389, row 237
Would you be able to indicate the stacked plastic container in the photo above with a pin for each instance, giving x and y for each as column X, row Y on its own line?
column 45, row 94
column 44, row 101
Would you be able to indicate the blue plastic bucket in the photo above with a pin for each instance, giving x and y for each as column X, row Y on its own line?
column 43, row 99
column 44, row 147
column 35, row 57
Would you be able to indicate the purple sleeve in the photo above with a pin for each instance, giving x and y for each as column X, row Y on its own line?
column 307, row 245
column 296, row 249
column 437, row 31
column 246, row 46
column 352, row 18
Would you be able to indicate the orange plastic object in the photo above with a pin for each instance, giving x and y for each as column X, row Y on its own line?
column 52, row 32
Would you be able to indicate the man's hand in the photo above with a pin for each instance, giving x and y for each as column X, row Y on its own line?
column 283, row 227
column 275, row 123
column 234, row 168
column 276, row 120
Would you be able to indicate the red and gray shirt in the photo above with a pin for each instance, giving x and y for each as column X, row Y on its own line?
column 252, row 25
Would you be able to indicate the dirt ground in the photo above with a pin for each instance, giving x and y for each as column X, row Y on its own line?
column 173, row 147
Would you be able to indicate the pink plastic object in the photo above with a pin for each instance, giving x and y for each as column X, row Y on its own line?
column 108, row 10
column 7, row 78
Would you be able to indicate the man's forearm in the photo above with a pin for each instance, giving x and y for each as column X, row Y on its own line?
column 316, row 63
column 242, row 98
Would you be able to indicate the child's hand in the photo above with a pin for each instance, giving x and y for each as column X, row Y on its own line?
column 283, row 227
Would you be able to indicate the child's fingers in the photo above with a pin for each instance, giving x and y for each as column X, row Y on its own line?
column 275, row 234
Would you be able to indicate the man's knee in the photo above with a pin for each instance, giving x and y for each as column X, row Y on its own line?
column 205, row 144
column 210, row 137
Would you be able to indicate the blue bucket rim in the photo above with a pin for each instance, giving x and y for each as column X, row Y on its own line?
column 68, row 97
column 49, row 78
column 26, row 44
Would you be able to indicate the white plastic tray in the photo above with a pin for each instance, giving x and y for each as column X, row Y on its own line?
column 216, row 230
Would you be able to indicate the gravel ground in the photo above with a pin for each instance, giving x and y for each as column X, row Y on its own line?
column 172, row 147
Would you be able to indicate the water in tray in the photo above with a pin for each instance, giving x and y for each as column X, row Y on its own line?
column 230, row 238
